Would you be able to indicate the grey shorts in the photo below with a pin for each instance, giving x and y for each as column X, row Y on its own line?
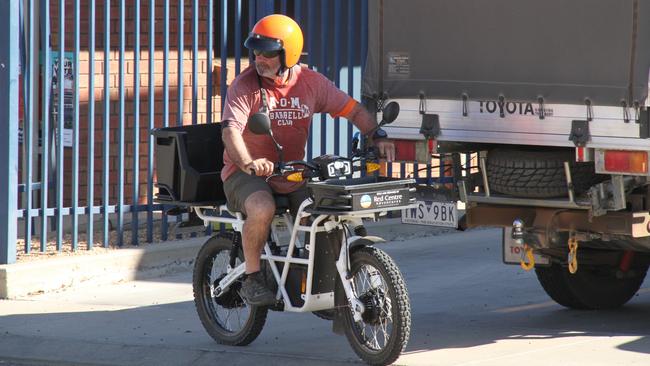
column 240, row 186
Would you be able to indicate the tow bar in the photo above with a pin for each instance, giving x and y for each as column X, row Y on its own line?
column 527, row 258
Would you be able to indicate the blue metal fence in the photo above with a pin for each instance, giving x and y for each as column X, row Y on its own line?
column 35, row 200
column 8, row 138
column 46, row 199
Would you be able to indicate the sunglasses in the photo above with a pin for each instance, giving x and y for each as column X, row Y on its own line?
column 266, row 54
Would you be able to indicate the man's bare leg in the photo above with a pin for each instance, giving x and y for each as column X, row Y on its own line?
column 259, row 208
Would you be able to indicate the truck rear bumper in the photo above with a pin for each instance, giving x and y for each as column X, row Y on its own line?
column 541, row 219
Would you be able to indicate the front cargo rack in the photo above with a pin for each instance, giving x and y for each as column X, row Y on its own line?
column 359, row 195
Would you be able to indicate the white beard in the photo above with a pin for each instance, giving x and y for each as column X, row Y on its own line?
column 265, row 71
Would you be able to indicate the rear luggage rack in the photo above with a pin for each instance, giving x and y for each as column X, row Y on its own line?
column 188, row 161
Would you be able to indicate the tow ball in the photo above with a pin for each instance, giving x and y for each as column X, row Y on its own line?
column 527, row 258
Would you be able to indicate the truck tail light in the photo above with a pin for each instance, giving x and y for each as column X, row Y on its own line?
column 404, row 150
column 623, row 161
column 584, row 154
column 414, row 150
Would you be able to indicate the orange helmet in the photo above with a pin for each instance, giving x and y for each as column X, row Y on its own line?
column 277, row 32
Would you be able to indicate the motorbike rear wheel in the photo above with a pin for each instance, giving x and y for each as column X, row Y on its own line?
column 227, row 318
column 383, row 333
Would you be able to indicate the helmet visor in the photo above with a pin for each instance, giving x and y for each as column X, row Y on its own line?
column 267, row 54
column 261, row 43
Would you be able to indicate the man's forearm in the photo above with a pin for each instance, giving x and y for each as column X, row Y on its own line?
column 235, row 147
column 363, row 120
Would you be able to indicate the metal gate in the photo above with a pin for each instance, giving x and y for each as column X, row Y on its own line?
column 84, row 81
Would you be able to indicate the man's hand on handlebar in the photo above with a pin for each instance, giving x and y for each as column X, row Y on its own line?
column 261, row 167
column 386, row 149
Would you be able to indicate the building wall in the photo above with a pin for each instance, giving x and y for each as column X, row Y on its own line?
column 185, row 97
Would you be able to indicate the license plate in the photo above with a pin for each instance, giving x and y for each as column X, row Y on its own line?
column 512, row 251
column 432, row 213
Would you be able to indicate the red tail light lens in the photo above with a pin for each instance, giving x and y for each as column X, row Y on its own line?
column 404, row 150
column 626, row 161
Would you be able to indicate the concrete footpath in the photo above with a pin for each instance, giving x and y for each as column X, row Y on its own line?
column 135, row 307
column 147, row 261
column 467, row 309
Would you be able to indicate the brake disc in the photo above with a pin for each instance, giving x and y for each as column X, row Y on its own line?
column 373, row 304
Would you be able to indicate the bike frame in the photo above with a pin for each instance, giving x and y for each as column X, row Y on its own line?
column 312, row 302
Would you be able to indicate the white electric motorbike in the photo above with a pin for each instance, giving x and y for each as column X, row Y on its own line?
column 321, row 267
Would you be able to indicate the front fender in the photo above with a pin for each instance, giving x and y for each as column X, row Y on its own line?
column 363, row 241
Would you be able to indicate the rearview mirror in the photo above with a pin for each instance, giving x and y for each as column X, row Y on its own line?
column 391, row 110
column 259, row 124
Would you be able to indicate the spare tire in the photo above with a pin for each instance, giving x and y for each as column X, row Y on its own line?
column 537, row 174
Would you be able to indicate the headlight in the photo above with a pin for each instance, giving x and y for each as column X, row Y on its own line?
column 339, row 168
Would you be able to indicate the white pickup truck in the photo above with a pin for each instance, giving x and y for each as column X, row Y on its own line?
column 551, row 98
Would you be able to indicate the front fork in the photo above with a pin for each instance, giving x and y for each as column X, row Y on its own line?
column 342, row 265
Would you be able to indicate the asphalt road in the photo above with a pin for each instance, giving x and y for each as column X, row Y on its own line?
column 468, row 309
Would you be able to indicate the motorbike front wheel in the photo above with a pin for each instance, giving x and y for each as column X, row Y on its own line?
column 227, row 318
column 382, row 335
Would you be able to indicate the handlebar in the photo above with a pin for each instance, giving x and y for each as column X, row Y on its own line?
column 325, row 166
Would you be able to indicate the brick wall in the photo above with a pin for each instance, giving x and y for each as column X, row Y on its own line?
column 129, row 88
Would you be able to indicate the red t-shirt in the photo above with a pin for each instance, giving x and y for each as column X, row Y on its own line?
column 290, row 108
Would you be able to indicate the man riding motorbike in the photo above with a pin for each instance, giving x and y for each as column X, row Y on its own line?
column 290, row 94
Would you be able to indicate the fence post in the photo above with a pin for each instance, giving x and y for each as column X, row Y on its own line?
column 9, row 135
column 264, row 8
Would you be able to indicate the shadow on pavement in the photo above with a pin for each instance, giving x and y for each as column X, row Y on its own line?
column 168, row 334
column 462, row 296
column 436, row 331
